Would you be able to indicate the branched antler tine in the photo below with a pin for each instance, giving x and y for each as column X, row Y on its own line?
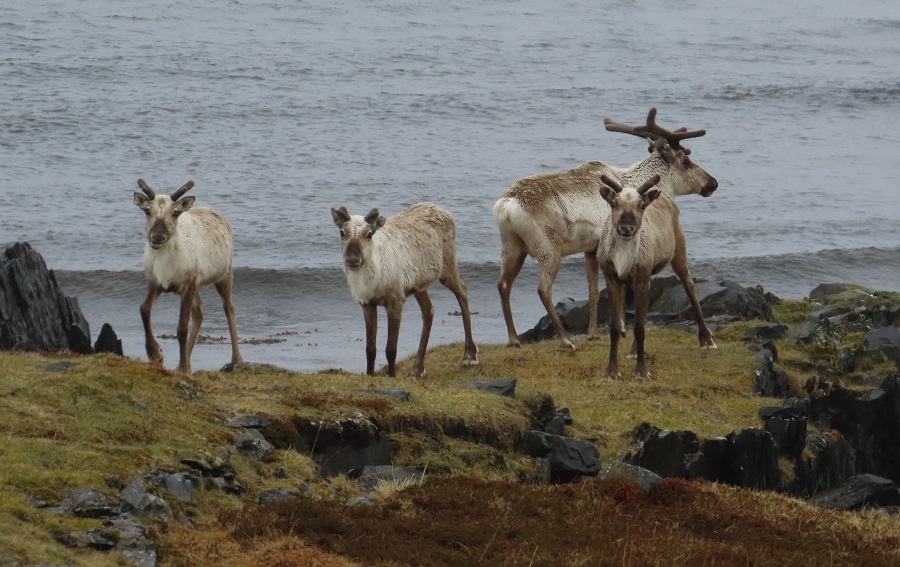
column 613, row 126
column 146, row 188
column 182, row 190
column 648, row 184
column 673, row 137
column 611, row 183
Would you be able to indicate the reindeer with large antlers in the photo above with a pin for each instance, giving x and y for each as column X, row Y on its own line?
column 551, row 215
column 642, row 236
column 187, row 249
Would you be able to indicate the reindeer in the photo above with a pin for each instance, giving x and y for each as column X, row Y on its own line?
column 387, row 260
column 551, row 215
column 642, row 236
column 187, row 249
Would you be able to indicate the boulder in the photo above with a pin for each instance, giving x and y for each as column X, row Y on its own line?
column 134, row 542
column 787, row 425
column 642, row 477
column 92, row 538
column 569, row 459
column 770, row 382
column 860, row 491
column 253, row 445
column 726, row 301
column 108, row 341
column 750, row 460
column 869, row 420
column 839, row 292
column 500, row 386
column 34, row 312
column 86, row 502
column 395, row 393
column 827, row 461
column 666, row 452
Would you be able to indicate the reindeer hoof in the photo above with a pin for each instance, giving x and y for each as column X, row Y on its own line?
column 514, row 343
column 470, row 361
column 709, row 346
column 569, row 343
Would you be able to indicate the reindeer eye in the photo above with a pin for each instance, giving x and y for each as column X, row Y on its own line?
column 687, row 162
column 370, row 235
column 343, row 234
column 176, row 213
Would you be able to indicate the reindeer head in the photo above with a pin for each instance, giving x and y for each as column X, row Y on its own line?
column 356, row 235
column 682, row 176
column 162, row 212
column 628, row 204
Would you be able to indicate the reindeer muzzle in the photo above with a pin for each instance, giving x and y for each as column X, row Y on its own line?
column 709, row 188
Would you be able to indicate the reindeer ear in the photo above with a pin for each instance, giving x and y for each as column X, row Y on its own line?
column 141, row 200
column 340, row 216
column 662, row 147
column 608, row 193
column 185, row 203
column 651, row 195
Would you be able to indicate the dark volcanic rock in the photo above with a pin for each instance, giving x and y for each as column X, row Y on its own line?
column 870, row 421
column 34, row 312
column 396, row 393
column 500, row 386
column 770, row 382
column 665, row 452
column 569, row 459
column 858, row 492
column 827, row 461
column 87, row 502
column 669, row 304
column 787, row 425
column 93, row 538
column 108, row 341
column 751, row 460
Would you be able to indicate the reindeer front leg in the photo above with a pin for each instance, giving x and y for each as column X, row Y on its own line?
column 370, row 314
column 154, row 353
column 641, row 301
column 184, row 319
column 616, row 292
column 418, row 369
column 394, row 309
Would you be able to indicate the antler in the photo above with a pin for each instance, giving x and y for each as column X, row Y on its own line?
column 611, row 183
column 653, row 130
column 182, row 190
column 648, row 184
column 146, row 189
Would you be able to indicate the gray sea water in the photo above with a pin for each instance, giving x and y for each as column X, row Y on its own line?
column 279, row 110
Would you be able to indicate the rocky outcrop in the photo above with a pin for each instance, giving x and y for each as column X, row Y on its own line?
column 34, row 312
column 724, row 300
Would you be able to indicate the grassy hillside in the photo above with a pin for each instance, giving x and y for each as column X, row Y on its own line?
column 105, row 420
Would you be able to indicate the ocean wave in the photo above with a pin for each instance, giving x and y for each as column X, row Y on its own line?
column 791, row 275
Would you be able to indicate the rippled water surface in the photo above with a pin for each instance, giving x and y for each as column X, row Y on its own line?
column 280, row 110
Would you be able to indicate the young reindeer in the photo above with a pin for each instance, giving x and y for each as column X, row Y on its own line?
column 551, row 215
column 187, row 249
column 642, row 236
column 387, row 260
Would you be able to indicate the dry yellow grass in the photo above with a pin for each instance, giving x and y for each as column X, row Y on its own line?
column 108, row 416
